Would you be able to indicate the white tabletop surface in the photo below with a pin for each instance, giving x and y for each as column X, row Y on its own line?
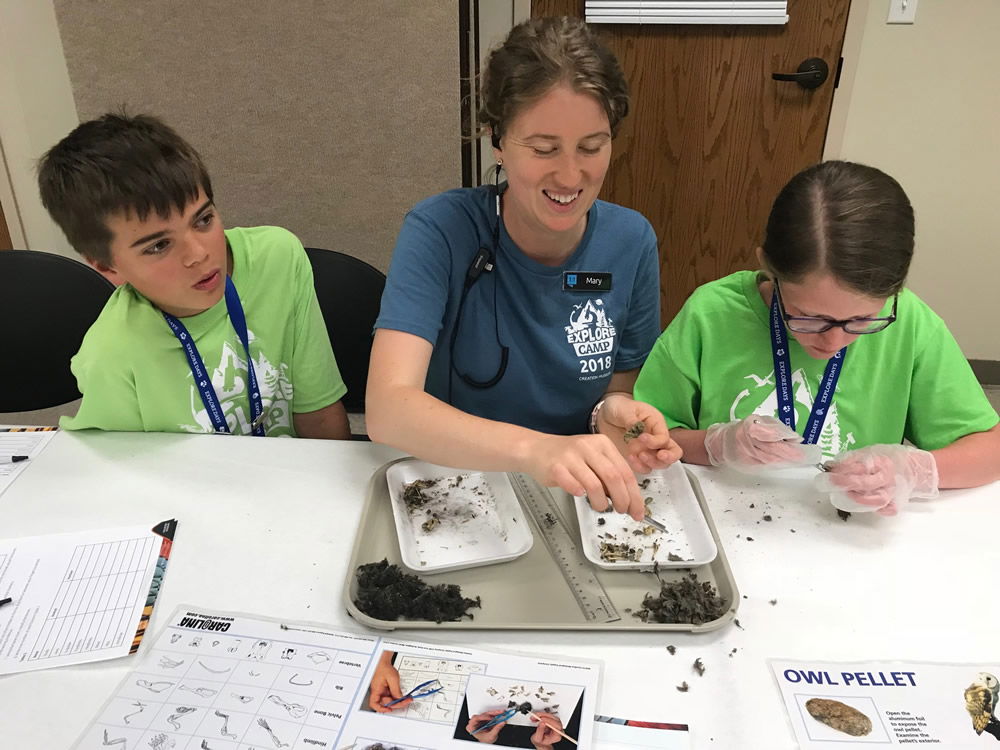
column 266, row 527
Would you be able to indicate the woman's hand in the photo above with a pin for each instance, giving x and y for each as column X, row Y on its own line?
column 588, row 465
column 650, row 449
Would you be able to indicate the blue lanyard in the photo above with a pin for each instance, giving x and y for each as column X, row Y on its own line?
column 201, row 377
column 783, row 379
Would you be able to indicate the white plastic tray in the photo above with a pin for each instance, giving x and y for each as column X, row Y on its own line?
column 674, row 504
column 479, row 521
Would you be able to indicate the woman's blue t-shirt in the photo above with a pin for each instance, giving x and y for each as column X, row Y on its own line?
column 564, row 344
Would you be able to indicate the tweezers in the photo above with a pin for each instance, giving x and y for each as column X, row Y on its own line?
column 415, row 694
column 498, row 719
column 650, row 521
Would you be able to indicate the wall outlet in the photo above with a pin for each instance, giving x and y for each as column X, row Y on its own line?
column 902, row 11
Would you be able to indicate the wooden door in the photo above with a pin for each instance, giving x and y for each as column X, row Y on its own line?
column 710, row 138
column 5, row 243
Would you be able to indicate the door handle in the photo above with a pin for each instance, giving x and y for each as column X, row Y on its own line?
column 811, row 73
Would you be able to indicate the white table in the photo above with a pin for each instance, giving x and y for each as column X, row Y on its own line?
column 266, row 527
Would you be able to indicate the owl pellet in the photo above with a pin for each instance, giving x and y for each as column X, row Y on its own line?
column 634, row 431
column 839, row 716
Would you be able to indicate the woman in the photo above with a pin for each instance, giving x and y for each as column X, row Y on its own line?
column 866, row 365
column 516, row 316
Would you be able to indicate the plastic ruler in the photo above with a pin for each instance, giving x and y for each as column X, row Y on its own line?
column 576, row 568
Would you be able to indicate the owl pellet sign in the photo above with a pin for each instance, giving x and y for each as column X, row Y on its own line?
column 864, row 679
column 856, row 705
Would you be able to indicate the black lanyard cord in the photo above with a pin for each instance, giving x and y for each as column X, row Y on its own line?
column 484, row 260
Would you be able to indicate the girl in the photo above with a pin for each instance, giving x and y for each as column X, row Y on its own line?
column 825, row 353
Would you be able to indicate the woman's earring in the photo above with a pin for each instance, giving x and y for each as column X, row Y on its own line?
column 499, row 163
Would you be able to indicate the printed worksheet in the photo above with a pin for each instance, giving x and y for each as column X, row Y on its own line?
column 858, row 705
column 20, row 441
column 79, row 597
column 225, row 681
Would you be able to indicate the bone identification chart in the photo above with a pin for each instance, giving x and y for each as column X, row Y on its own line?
column 859, row 705
column 224, row 681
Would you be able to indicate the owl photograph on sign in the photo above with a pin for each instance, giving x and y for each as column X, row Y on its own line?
column 981, row 703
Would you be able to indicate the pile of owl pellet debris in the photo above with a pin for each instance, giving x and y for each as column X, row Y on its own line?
column 685, row 600
column 387, row 593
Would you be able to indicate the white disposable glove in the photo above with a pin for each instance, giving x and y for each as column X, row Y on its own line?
column 880, row 477
column 757, row 444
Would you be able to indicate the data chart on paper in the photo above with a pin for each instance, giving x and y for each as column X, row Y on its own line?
column 79, row 596
column 93, row 606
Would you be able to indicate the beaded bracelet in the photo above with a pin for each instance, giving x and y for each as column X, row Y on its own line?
column 593, row 416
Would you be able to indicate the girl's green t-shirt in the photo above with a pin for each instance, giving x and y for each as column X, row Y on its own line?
column 714, row 364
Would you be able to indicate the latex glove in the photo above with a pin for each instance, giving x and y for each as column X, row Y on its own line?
column 651, row 449
column 757, row 444
column 881, row 476
column 487, row 736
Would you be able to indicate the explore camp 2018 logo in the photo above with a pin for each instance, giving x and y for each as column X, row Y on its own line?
column 591, row 333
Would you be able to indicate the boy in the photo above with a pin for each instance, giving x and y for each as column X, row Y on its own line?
column 236, row 307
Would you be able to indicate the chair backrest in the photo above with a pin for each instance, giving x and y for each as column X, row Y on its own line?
column 47, row 303
column 350, row 294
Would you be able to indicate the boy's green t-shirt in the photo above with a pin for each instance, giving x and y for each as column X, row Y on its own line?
column 134, row 376
column 714, row 364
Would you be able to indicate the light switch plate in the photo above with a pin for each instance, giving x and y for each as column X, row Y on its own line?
column 902, row 11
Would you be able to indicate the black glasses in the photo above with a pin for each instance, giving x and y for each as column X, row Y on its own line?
column 856, row 326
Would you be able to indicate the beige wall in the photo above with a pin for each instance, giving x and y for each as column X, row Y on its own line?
column 329, row 118
column 924, row 105
column 36, row 110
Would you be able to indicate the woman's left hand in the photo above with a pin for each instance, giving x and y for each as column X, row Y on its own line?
column 651, row 449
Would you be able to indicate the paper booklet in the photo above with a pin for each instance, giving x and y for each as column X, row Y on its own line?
column 225, row 681
column 21, row 440
column 79, row 597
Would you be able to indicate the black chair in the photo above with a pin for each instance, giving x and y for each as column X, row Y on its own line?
column 350, row 294
column 47, row 303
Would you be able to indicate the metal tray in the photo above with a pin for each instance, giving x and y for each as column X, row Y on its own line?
column 529, row 593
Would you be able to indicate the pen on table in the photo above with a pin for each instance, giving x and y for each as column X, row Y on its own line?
column 12, row 459
column 8, row 600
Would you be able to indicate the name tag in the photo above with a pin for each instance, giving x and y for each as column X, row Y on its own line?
column 586, row 281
